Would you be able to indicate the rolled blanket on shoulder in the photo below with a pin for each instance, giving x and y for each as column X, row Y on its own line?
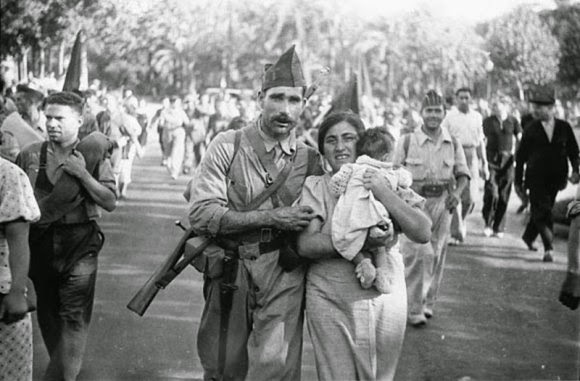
column 67, row 192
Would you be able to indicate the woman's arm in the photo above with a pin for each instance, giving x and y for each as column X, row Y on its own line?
column 314, row 244
column 14, row 305
column 414, row 223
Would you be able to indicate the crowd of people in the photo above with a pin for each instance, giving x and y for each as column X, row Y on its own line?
column 335, row 218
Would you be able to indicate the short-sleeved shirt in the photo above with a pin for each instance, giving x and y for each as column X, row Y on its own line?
column 465, row 127
column 16, row 202
column 29, row 161
column 501, row 135
column 431, row 160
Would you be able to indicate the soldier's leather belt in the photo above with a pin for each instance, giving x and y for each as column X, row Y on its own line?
column 432, row 190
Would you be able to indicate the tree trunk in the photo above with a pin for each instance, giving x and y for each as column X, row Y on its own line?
column 48, row 56
column 520, row 89
column 61, row 59
column 42, row 63
column 24, row 74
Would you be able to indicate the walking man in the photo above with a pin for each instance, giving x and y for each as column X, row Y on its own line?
column 466, row 126
column 25, row 126
column 542, row 167
column 440, row 174
column 251, row 326
column 63, row 254
column 503, row 133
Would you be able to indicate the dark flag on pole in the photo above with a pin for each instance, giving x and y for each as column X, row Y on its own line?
column 348, row 98
column 77, row 74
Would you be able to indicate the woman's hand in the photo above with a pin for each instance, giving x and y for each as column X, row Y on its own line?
column 375, row 181
column 14, row 307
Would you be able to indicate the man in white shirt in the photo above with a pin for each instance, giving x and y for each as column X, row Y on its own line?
column 466, row 125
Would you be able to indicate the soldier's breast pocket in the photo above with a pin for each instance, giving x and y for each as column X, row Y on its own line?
column 416, row 166
column 447, row 168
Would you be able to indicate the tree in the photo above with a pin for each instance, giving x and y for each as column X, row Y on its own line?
column 565, row 24
column 523, row 49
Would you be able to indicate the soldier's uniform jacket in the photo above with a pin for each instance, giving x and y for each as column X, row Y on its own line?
column 431, row 161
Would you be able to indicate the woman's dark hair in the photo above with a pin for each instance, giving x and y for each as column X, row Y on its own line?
column 334, row 119
column 102, row 118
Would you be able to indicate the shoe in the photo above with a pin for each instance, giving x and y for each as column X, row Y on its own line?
column 417, row 320
column 487, row 231
column 428, row 312
column 498, row 234
column 454, row 242
column 530, row 245
column 548, row 256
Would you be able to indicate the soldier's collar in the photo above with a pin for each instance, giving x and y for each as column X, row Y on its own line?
column 445, row 136
column 287, row 145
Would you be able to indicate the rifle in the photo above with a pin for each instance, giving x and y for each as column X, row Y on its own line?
column 189, row 247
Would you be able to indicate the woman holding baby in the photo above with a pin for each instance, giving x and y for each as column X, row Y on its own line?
column 357, row 331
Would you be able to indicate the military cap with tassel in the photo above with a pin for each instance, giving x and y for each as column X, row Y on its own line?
column 287, row 71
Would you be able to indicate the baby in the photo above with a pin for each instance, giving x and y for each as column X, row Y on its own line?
column 359, row 215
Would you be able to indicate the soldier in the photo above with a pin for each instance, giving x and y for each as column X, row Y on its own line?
column 440, row 174
column 251, row 326
column 547, row 145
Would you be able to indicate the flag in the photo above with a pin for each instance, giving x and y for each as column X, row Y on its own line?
column 77, row 74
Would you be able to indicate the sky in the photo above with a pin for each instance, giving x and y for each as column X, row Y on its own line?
column 464, row 11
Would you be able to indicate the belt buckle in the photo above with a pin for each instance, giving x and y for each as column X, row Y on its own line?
column 266, row 235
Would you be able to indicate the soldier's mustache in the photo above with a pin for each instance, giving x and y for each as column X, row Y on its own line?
column 283, row 119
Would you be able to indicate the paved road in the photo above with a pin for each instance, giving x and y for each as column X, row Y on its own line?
column 497, row 319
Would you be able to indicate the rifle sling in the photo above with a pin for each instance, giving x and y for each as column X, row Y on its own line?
column 272, row 170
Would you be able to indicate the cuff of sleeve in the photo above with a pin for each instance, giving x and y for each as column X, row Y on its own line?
column 213, row 226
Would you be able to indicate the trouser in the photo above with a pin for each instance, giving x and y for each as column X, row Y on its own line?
column 424, row 263
column 193, row 153
column 468, row 196
column 63, row 269
column 174, row 142
column 264, row 331
column 496, row 196
column 542, row 200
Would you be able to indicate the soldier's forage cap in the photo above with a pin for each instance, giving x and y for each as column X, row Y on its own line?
column 542, row 95
column 432, row 98
column 287, row 71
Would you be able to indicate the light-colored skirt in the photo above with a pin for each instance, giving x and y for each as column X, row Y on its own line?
column 16, row 350
column 357, row 334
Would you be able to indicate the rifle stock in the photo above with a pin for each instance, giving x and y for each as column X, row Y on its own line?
column 165, row 273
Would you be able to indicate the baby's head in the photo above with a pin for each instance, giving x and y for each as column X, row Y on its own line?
column 376, row 143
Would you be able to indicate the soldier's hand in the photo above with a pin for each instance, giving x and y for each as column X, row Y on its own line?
column 484, row 173
column 75, row 165
column 293, row 218
column 452, row 200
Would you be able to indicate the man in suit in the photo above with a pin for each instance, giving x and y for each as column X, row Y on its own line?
column 546, row 147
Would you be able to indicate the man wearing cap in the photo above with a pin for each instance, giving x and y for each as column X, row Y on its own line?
column 251, row 326
column 542, row 167
column 466, row 126
column 25, row 126
column 440, row 174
